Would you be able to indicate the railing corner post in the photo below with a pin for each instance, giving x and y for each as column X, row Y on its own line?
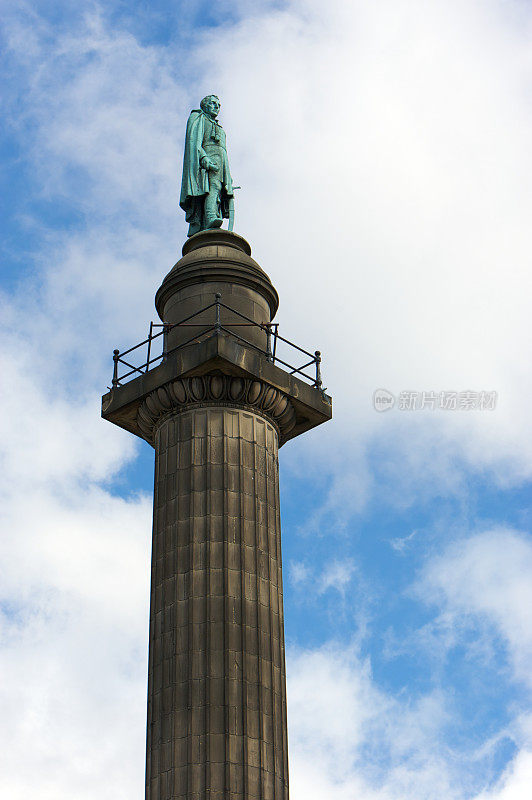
column 318, row 369
column 114, row 382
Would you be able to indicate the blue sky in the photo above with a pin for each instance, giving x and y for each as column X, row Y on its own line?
column 383, row 150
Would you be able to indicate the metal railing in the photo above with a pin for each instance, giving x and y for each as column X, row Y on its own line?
column 271, row 329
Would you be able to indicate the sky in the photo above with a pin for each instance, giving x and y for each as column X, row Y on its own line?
column 383, row 151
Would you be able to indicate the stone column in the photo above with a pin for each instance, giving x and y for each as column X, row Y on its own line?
column 216, row 694
column 216, row 407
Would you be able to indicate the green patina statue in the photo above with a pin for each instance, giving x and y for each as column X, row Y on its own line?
column 207, row 187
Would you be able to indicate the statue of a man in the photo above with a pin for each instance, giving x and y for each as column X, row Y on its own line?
column 206, row 188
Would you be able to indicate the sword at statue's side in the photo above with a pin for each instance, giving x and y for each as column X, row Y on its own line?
column 232, row 210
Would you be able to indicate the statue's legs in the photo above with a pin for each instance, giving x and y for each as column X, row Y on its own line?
column 212, row 210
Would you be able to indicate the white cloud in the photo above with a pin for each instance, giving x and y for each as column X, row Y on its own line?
column 334, row 574
column 337, row 575
column 73, row 600
column 482, row 584
column 516, row 781
column 73, row 579
column 349, row 739
column 401, row 543
column 391, row 208
column 352, row 739
column 488, row 578
column 298, row 572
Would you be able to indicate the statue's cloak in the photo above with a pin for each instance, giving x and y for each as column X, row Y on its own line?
column 195, row 181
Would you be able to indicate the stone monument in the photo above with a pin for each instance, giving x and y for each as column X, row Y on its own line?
column 216, row 404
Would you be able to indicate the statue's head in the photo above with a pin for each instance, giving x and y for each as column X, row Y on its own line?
column 210, row 105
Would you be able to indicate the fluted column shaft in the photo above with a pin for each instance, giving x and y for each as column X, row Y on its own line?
column 216, row 684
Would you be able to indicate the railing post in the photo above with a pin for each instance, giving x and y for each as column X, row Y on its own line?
column 268, row 341
column 318, row 369
column 217, row 298
column 149, row 347
column 115, row 369
column 165, row 341
column 276, row 331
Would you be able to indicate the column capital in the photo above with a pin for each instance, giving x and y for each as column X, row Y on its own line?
column 215, row 389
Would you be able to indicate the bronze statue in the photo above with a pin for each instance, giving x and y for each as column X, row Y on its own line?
column 207, row 187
